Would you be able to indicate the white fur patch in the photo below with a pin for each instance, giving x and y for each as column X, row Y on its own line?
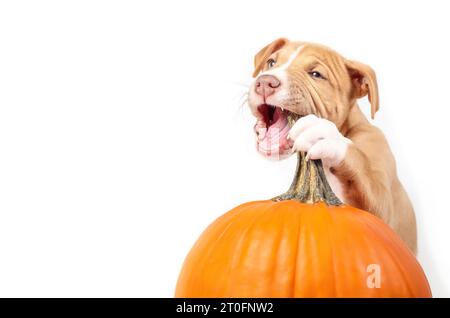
column 320, row 139
column 280, row 71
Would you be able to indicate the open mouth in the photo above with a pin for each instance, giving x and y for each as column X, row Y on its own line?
column 270, row 113
column 272, row 130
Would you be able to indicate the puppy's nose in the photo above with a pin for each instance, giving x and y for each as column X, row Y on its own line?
column 266, row 85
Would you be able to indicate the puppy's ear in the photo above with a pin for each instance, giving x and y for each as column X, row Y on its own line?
column 364, row 83
column 261, row 56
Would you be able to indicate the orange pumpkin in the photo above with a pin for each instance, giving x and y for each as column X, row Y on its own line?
column 305, row 243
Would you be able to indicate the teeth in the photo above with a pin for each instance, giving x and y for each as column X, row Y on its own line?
column 282, row 109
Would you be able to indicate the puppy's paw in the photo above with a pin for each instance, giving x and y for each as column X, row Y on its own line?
column 320, row 139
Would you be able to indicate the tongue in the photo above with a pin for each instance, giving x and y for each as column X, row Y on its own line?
column 279, row 122
column 276, row 115
column 275, row 139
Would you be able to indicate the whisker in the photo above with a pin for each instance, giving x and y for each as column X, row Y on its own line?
column 242, row 101
column 242, row 97
column 239, row 96
column 246, row 85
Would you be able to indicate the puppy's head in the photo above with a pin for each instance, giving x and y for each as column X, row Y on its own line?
column 303, row 78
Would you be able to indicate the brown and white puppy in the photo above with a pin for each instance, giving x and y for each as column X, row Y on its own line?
column 322, row 87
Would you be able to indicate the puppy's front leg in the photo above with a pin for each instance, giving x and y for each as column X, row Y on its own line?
column 362, row 186
column 366, row 181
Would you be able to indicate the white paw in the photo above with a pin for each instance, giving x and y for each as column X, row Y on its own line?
column 320, row 139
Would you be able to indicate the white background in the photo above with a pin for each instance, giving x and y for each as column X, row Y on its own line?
column 122, row 136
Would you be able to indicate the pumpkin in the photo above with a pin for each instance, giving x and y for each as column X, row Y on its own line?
column 304, row 243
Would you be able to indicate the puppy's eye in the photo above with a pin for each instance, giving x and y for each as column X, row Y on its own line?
column 316, row 74
column 270, row 63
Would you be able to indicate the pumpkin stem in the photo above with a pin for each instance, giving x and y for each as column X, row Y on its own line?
column 310, row 184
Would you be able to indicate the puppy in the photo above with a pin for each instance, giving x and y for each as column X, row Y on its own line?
column 322, row 87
